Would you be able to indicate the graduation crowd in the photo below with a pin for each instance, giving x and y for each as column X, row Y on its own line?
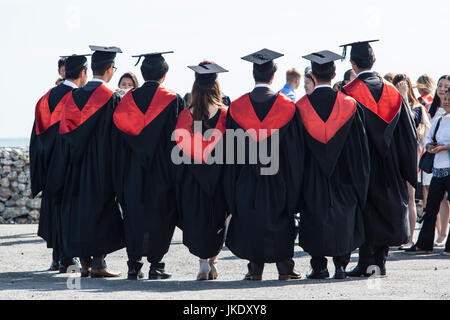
column 123, row 169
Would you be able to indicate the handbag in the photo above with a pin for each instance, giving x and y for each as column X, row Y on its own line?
column 427, row 161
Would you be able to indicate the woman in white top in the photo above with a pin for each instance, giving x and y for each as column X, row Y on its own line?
column 436, row 110
column 440, row 183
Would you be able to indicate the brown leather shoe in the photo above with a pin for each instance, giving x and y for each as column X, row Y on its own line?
column 104, row 273
column 253, row 277
column 292, row 276
column 85, row 272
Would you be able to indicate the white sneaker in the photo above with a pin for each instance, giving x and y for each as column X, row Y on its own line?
column 213, row 273
column 439, row 244
column 203, row 273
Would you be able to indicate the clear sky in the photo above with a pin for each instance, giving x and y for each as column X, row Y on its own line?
column 413, row 33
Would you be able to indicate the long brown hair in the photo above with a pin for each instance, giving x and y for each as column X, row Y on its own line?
column 201, row 99
column 411, row 96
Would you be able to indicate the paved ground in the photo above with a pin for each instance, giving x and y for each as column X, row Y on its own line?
column 24, row 259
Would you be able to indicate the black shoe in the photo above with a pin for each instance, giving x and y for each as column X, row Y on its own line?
column 319, row 275
column 339, row 274
column 54, row 266
column 73, row 263
column 416, row 250
column 357, row 272
column 134, row 274
column 158, row 274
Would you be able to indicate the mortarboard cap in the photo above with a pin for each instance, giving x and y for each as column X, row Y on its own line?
column 262, row 56
column 263, row 60
column 362, row 52
column 206, row 74
column 323, row 62
column 103, row 55
column 154, row 58
column 75, row 62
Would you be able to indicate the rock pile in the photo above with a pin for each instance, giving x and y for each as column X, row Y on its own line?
column 16, row 204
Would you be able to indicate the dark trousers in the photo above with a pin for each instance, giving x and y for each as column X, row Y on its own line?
column 284, row 267
column 320, row 263
column 438, row 187
column 96, row 262
column 59, row 256
column 134, row 262
column 370, row 255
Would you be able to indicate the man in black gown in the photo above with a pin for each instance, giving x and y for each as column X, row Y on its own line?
column 336, row 172
column 143, row 124
column 393, row 152
column 42, row 142
column 90, row 218
column 263, row 205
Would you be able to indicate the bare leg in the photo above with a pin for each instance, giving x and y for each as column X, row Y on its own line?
column 412, row 212
column 444, row 218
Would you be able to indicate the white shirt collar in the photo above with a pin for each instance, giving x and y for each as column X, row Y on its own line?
column 98, row 80
column 323, row 86
column 262, row 85
column 368, row 71
column 70, row 84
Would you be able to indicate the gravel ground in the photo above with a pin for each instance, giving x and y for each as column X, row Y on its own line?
column 24, row 260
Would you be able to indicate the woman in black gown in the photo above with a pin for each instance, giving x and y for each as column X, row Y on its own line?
column 198, row 172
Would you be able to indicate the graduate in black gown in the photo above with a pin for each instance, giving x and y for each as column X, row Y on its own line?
column 43, row 137
column 263, row 187
column 198, row 171
column 91, row 222
column 393, row 152
column 336, row 171
column 143, row 125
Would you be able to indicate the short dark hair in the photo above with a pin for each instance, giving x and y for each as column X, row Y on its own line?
column 324, row 76
column 264, row 76
column 75, row 73
column 347, row 75
column 364, row 63
column 155, row 74
column 61, row 62
column 99, row 69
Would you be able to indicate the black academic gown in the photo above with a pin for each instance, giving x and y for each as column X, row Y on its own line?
column 91, row 222
column 393, row 152
column 141, row 162
column 262, row 227
column 336, row 174
column 42, row 144
column 201, row 204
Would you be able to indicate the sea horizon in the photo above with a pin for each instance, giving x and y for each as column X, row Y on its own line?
column 14, row 142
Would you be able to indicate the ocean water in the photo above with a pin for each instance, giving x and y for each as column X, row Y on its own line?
column 14, row 142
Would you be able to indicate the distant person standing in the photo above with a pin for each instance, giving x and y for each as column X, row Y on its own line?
column 389, row 77
column 419, row 114
column 127, row 82
column 293, row 77
column 349, row 76
column 309, row 83
column 437, row 142
column 61, row 71
column 426, row 87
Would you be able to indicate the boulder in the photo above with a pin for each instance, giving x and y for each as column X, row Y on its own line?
column 5, row 193
column 34, row 203
column 4, row 182
column 34, row 214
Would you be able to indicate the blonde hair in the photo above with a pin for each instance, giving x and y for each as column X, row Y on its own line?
column 426, row 84
column 292, row 74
